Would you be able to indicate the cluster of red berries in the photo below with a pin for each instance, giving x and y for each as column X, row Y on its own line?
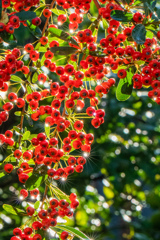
column 19, row 5
column 83, row 6
column 69, row 96
column 10, row 65
column 46, row 218
column 10, row 22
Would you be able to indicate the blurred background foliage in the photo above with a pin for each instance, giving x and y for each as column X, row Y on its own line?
column 119, row 189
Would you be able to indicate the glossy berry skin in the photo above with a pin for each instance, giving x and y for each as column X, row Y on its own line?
column 37, row 237
column 24, row 193
column 30, row 211
column 64, row 235
column 47, row 13
column 17, row 232
column 8, row 167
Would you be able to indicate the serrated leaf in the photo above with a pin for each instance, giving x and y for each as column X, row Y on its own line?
column 47, row 130
column 34, row 181
column 139, row 34
column 18, row 113
column 26, row 135
column 26, row 15
column 73, row 231
column 63, row 50
column 121, row 16
column 13, row 210
column 63, row 35
column 36, row 205
column 125, row 87
column 16, row 79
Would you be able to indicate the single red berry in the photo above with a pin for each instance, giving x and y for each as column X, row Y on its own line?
column 30, row 211
column 64, row 235
column 8, row 167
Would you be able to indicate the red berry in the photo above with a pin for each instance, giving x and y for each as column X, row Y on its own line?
column 8, row 167
column 64, row 235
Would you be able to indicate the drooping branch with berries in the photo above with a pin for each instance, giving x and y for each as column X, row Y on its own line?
column 61, row 77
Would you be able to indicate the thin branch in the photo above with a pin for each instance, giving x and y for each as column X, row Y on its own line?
column 97, row 4
column 46, row 23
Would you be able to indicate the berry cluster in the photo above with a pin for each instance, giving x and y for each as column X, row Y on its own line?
column 45, row 216
column 63, row 92
column 10, row 21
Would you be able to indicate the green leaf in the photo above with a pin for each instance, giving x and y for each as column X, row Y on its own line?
column 63, row 35
column 2, row 174
column 36, row 32
column 35, row 77
column 26, row 135
column 139, row 34
column 121, row 16
column 91, row 18
column 57, row 11
column 29, row 90
column 140, row 62
column 30, row 121
column 59, row 193
column 125, row 87
column 63, row 50
column 105, row 23
column 47, row 130
column 120, row 67
column 42, row 49
column 16, row 79
column 18, row 113
column 17, row 129
column 12, row 159
column 13, row 210
column 26, row 15
column 36, row 205
column 73, row 231
column 34, row 181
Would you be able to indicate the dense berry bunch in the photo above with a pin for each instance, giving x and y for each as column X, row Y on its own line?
column 10, row 20
column 46, row 216
column 61, row 78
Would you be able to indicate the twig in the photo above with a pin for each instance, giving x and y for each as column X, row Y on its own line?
column 97, row 4
column 46, row 23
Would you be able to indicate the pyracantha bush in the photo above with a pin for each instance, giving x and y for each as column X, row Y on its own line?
column 63, row 76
